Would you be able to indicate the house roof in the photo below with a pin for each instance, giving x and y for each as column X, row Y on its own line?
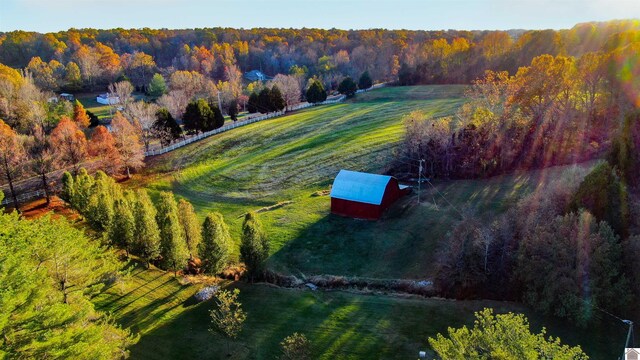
column 359, row 186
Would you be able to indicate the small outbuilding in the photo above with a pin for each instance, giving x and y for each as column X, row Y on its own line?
column 364, row 196
column 105, row 99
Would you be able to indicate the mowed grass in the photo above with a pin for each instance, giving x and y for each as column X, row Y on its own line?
column 340, row 325
column 290, row 159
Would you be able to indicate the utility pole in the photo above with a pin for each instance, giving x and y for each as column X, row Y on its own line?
column 626, row 344
column 219, row 102
column 420, row 179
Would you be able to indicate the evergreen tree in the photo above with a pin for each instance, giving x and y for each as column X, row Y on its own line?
column 215, row 119
column 82, row 190
column 166, row 127
column 173, row 247
column 232, row 110
column 215, row 249
column 252, row 104
column 276, row 100
column 347, row 87
column 254, row 246
column 147, row 232
column 196, row 116
column 67, row 186
column 190, row 228
column 365, row 81
column 100, row 208
column 264, row 101
column 316, row 92
column 49, row 270
column 157, row 87
column 122, row 227
column 93, row 119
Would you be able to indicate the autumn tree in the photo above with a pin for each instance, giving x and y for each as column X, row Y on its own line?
column 70, row 143
column 228, row 317
column 43, row 159
column 139, row 67
column 143, row 115
column 506, row 334
column 128, row 143
column 73, row 77
column 173, row 247
column 166, row 128
column 102, row 147
column 80, row 115
column 215, row 248
column 190, row 227
column 254, row 246
column 147, row 233
column 122, row 91
column 290, row 88
column 12, row 157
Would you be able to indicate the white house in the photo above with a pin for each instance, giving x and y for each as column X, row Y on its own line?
column 105, row 99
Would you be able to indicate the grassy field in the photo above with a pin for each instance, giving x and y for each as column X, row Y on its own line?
column 289, row 159
column 340, row 325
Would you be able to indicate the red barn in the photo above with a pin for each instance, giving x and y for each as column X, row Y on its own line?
column 362, row 195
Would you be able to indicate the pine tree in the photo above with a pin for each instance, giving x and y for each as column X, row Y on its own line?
column 232, row 110
column 254, row 246
column 252, row 104
column 190, row 227
column 80, row 115
column 147, row 232
column 67, row 186
column 347, row 87
column 122, row 228
column 157, row 87
column 276, row 100
column 100, row 208
column 215, row 119
column 196, row 116
column 264, row 101
column 316, row 92
column 365, row 81
column 166, row 127
column 82, row 189
column 173, row 247
column 215, row 249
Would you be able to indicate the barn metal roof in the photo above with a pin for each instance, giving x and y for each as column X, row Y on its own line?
column 359, row 186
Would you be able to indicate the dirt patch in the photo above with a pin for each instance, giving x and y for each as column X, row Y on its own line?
column 321, row 193
column 57, row 207
column 271, row 207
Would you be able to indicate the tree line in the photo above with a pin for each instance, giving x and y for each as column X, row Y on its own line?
column 167, row 233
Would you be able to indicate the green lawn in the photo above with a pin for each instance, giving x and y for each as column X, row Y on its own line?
column 340, row 325
column 290, row 159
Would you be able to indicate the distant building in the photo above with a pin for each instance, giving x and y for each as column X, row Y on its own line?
column 256, row 75
column 68, row 97
column 364, row 196
column 105, row 99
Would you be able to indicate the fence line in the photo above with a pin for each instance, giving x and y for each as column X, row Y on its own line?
column 251, row 121
column 22, row 197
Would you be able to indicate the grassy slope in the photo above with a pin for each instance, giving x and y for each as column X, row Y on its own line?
column 341, row 325
column 289, row 159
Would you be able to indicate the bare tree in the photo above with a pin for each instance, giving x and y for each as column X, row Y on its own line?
column 128, row 143
column 144, row 115
column 12, row 157
column 43, row 158
column 121, row 90
column 290, row 88
column 175, row 101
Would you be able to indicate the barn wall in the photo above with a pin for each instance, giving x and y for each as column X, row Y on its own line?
column 355, row 209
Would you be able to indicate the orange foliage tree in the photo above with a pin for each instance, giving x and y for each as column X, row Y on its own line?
column 70, row 143
column 128, row 143
column 80, row 115
column 102, row 147
column 12, row 157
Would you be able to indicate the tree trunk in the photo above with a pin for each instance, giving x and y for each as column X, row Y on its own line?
column 45, row 187
column 10, row 180
column 128, row 173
